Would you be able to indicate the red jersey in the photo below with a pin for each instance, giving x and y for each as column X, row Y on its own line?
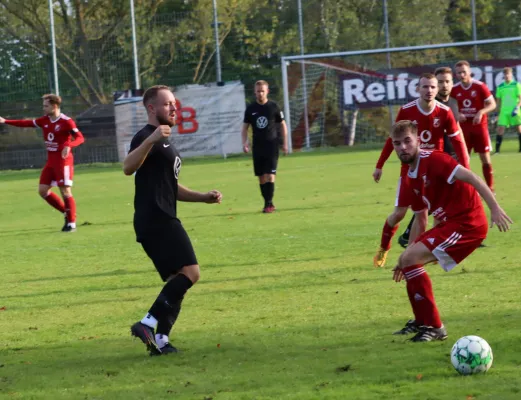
column 56, row 134
column 432, row 126
column 435, row 188
column 471, row 99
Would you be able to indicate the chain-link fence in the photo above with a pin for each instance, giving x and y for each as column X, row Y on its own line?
column 175, row 45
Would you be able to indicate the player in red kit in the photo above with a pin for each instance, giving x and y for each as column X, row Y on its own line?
column 451, row 193
column 60, row 135
column 475, row 101
column 433, row 119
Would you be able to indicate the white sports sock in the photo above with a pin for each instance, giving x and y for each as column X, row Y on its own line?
column 149, row 321
column 161, row 340
column 72, row 225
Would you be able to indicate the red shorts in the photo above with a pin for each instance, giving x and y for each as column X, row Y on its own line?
column 404, row 190
column 56, row 173
column 477, row 138
column 453, row 241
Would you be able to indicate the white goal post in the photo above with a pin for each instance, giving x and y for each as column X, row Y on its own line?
column 350, row 95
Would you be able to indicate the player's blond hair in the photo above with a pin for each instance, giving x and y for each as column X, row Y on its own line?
column 53, row 99
column 507, row 70
column 151, row 93
column 262, row 83
column 462, row 63
column 443, row 70
column 402, row 127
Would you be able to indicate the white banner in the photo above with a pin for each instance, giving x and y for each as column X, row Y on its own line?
column 209, row 120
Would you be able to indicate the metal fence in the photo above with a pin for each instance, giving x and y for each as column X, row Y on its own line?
column 97, row 50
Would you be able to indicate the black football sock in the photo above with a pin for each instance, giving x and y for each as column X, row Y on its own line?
column 270, row 191
column 519, row 137
column 172, row 292
column 164, row 325
column 264, row 193
column 499, row 140
column 408, row 230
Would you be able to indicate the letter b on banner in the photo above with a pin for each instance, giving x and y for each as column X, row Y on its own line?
column 186, row 119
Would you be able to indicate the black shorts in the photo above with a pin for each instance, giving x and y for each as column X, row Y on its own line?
column 169, row 248
column 265, row 163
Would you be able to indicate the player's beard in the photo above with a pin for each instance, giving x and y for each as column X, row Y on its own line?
column 170, row 121
column 444, row 94
column 408, row 158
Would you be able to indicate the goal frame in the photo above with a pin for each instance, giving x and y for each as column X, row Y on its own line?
column 286, row 61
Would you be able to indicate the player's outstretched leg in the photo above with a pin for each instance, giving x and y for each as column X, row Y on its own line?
column 390, row 227
column 388, row 232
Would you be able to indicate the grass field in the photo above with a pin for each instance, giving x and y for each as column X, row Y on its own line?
column 288, row 305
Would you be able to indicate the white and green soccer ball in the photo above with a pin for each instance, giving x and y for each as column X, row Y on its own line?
column 471, row 355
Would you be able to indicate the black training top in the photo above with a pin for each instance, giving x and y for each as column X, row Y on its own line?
column 156, row 181
column 263, row 119
column 452, row 103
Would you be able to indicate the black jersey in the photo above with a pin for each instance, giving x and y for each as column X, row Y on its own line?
column 263, row 119
column 156, row 181
column 452, row 104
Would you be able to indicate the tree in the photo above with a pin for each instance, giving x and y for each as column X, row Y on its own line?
column 88, row 33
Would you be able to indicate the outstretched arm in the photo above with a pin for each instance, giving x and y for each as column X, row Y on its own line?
column 497, row 215
column 21, row 123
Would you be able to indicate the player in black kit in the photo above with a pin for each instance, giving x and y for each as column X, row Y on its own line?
column 263, row 115
column 157, row 164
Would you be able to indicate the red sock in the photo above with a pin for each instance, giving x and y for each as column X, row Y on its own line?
column 489, row 175
column 387, row 235
column 419, row 289
column 70, row 208
column 54, row 200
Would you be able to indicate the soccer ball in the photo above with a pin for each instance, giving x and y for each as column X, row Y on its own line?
column 471, row 355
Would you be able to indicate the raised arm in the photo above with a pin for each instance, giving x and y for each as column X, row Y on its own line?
column 135, row 158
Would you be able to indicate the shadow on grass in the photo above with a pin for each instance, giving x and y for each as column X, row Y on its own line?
column 270, row 363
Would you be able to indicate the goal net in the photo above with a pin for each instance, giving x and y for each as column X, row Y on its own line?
column 352, row 98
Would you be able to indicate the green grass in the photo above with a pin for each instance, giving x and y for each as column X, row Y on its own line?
column 288, row 305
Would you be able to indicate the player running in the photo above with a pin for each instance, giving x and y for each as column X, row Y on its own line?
column 432, row 119
column 60, row 135
column 435, row 181
column 508, row 96
column 475, row 101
